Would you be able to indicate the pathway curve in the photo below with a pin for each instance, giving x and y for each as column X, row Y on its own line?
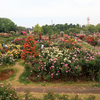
column 20, row 68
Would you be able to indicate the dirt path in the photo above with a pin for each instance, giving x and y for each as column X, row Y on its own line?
column 16, row 78
column 80, row 90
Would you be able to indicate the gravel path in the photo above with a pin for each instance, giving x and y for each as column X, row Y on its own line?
column 80, row 90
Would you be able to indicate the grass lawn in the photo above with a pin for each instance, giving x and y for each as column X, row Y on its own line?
column 40, row 95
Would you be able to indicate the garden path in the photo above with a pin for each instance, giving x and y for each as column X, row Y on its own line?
column 96, row 47
column 20, row 71
column 67, row 89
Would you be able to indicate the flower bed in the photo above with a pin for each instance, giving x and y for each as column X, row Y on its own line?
column 19, row 41
column 63, row 64
column 5, row 35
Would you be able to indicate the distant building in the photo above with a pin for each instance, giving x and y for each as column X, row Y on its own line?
column 29, row 30
column 23, row 33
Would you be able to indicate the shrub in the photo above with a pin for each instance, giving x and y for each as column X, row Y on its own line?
column 29, row 48
column 49, row 95
column 7, row 59
column 7, row 93
column 19, row 41
column 81, row 37
column 12, row 32
column 93, row 43
column 4, row 50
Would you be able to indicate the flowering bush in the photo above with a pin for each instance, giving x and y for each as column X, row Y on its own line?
column 5, row 34
column 19, row 41
column 6, row 59
column 4, row 50
column 89, row 62
column 81, row 37
column 16, row 53
column 7, row 93
column 94, row 42
column 55, row 63
column 40, row 36
column 29, row 48
column 89, row 39
column 69, row 44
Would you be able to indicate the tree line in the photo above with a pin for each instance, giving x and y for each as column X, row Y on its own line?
column 7, row 25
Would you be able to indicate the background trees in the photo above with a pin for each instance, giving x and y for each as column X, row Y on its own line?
column 37, row 29
column 67, row 28
column 7, row 25
column 20, row 28
column 98, row 27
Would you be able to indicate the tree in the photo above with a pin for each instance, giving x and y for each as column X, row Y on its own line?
column 46, row 28
column 98, row 27
column 37, row 29
column 91, row 28
column 20, row 28
column 7, row 25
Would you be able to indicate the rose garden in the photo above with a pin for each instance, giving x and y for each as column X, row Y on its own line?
column 64, row 58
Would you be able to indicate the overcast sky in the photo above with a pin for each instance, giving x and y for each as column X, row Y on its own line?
column 28, row 13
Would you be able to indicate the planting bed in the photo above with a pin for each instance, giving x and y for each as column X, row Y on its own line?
column 5, row 74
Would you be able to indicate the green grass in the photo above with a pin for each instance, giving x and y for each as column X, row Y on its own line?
column 88, row 47
column 22, row 78
column 70, row 95
column 22, row 63
column 12, row 76
column 96, row 85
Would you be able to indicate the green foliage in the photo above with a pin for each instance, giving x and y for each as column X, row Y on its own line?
column 23, row 78
column 7, row 25
column 7, row 93
column 37, row 29
column 96, row 85
column 49, row 95
column 12, row 32
column 91, row 97
column 98, row 77
column 7, row 59
column 20, row 28
column 63, row 97
column 98, row 27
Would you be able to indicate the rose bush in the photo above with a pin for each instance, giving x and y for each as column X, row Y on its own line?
column 29, row 48
column 19, row 41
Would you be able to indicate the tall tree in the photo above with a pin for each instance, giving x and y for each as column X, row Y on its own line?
column 37, row 29
column 91, row 28
column 7, row 25
column 98, row 27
